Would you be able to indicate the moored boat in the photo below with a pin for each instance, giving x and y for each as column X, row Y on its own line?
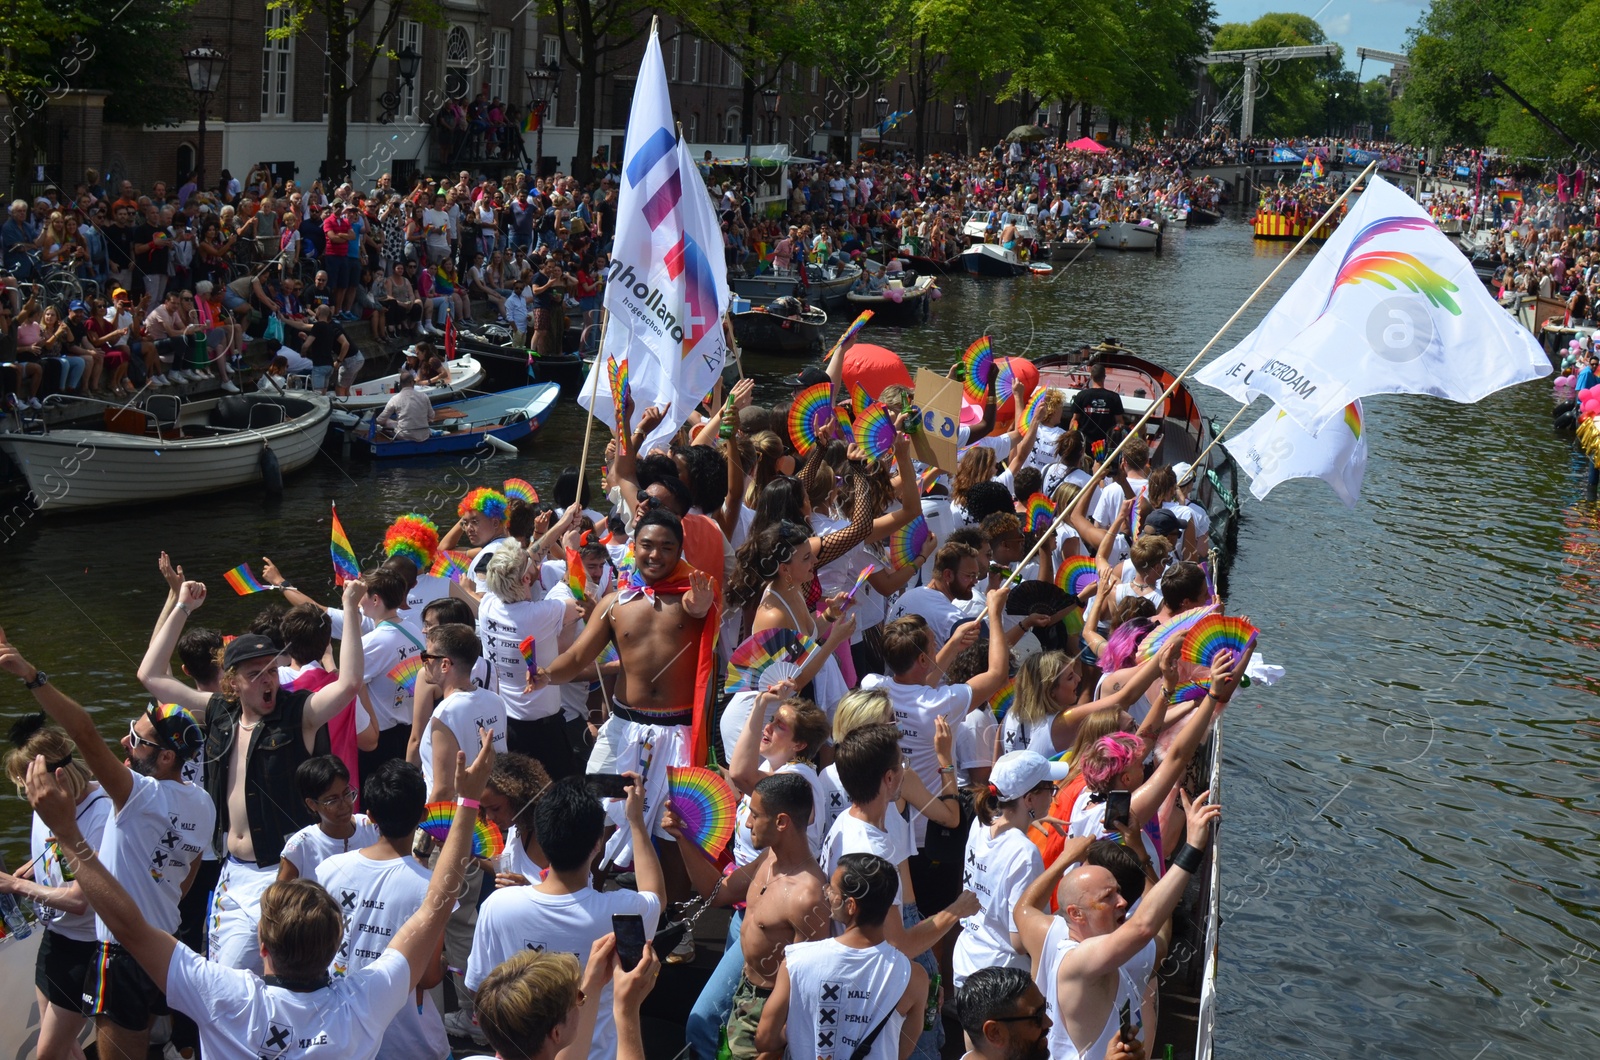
column 1067, row 249
column 826, row 285
column 992, row 259
column 898, row 302
column 166, row 448
column 1199, row 215
column 1126, row 235
column 787, row 326
column 465, row 374
column 496, row 421
column 763, row 287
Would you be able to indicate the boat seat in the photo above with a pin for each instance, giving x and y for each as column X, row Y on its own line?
column 232, row 411
column 166, row 408
column 267, row 414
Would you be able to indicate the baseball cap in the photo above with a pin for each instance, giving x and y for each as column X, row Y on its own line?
column 1016, row 773
column 77, row 306
column 810, row 375
column 1182, row 471
column 1162, row 521
column 176, row 728
column 244, row 648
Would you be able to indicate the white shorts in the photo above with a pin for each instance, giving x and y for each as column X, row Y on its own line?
column 633, row 747
column 235, row 909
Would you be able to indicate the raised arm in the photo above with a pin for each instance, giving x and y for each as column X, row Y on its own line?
column 332, row 697
column 1032, row 915
column 744, row 761
column 1147, row 799
column 155, row 669
column 986, row 684
column 107, row 767
column 646, row 865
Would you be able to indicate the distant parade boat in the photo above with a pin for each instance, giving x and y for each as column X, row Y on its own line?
column 1285, row 226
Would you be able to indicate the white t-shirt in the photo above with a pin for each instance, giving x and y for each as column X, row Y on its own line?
column 429, row 587
column 478, row 566
column 241, row 1018
column 518, row 861
column 838, row 994
column 150, row 843
column 997, row 869
column 384, row 645
column 502, row 627
column 939, row 611
column 974, row 744
column 915, row 709
column 311, row 846
column 465, row 714
column 852, row 835
column 1110, row 499
column 1044, row 446
column 49, row 867
column 1056, row 474
column 514, row 919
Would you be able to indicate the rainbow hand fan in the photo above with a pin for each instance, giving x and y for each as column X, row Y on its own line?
column 874, row 431
column 530, row 654
column 1006, row 383
column 1002, row 700
column 1190, row 691
column 1075, row 574
column 617, row 378
column 1217, row 633
column 344, row 558
column 452, row 565
column 906, row 544
column 861, row 579
column 609, row 654
column 812, row 408
column 1035, row 406
column 978, row 361
column 768, row 657
column 705, row 806
column 859, row 399
column 850, row 332
column 404, row 674
column 1039, row 514
column 1176, row 626
column 487, row 842
column 243, row 582
column 522, row 490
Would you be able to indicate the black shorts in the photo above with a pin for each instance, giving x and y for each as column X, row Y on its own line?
column 62, row 969
column 117, row 989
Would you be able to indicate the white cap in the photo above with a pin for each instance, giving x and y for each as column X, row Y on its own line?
column 1181, row 470
column 1016, row 773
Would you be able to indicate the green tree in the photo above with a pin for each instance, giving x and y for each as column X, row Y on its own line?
column 1292, row 103
column 595, row 37
column 1377, row 109
column 134, row 52
column 34, row 67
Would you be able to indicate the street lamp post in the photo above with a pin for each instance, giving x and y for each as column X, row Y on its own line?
column 407, row 61
column 543, row 84
column 960, row 112
column 205, row 74
column 769, row 105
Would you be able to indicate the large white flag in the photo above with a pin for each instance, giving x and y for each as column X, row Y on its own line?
column 1275, row 449
column 667, row 285
column 1388, row 306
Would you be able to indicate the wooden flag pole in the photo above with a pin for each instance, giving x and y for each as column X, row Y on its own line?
column 594, row 389
column 1105, row 465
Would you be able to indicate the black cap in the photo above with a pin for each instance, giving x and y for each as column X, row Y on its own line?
column 1162, row 521
column 250, row 646
column 810, row 375
column 176, row 728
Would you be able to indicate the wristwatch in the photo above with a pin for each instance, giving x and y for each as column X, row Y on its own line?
column 40, row 679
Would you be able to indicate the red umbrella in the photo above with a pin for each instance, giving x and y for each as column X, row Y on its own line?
column 874, row 367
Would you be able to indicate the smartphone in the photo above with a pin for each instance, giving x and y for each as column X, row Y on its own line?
column 629, row 929
column 1125, row 1015
column 608, row 785
column 1119, row 807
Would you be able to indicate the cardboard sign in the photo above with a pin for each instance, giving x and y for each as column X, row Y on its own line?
column 940, row 401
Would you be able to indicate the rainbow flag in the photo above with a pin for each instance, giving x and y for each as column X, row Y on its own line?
column 243, row 582
column 404, row 674
column 530, row 121
column 1510, row 196
column 344, row 558
column 577, row 577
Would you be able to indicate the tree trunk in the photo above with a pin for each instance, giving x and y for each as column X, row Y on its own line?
column 919, row 97
column 588, row 89
column 335, row 164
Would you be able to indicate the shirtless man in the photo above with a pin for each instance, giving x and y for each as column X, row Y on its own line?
column 783, row 892
column 1094, row 961
column 663, row 619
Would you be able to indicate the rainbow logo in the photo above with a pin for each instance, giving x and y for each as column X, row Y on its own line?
column 1352, row 418
column 978, row 362
column 1038, row 514
column 243, row 582
column 404, row 674
column 1384, row 267
column 1001, row 701
column 706, row 806
column 487, row 842
column 344, row 557
column 812, row 408
column 521, row 490
column 874, row 432
column 1075, row 574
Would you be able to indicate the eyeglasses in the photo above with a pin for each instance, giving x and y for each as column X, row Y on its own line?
column 140, row 741
column 333, row 802
column 1037, row 1016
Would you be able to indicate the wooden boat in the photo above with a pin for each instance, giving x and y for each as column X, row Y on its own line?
column 507, row 363
column 166, row 448
column 898, row 302
column 496, row 421
column 1287, row 226
column 1199, row 215
column 827, row 285
column 787, row 326
column 465, row 374
column 1125, row 235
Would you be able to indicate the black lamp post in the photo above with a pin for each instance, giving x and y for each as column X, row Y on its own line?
column 543, row 83
column 407, row 60
column 769, row 106
column 880, row 107
column 205, row 74
column 960, row 110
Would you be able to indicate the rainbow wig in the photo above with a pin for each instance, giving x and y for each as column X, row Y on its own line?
column 1107, row 758
column 413, row 536
column 491, row 504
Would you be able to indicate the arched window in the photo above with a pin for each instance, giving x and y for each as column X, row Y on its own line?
column 732, row 131
column 458, row 63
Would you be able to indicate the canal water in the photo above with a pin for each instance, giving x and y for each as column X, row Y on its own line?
column 1410, row 817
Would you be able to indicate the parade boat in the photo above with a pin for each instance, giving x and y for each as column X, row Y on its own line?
column 164, row 447
column 1127, row 235
column 1179, row 432
column 787, row 326
column 496, row 421
column 465, row 374
column 1269, row 224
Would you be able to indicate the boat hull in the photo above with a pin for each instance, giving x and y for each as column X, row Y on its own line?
column 1069, row 249
column 1279, row 226
column 1120, row 235
column 1199, row 215
column 78, row 469
column 515, row 415
column 465, row 374
column 913, row 307
column 987, row 259
column 760, row 332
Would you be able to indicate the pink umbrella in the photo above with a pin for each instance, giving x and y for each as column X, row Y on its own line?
column 1086, row 144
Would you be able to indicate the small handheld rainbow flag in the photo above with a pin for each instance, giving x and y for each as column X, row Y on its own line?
column 404, row 674
column 344, row 558
column 530, row 120
column 243, row 582
column 530, row 653
column 577, row 575
column 617, row 377
column 861, row 579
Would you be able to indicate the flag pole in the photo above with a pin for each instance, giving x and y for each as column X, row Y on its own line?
column 1197, row 461
column 1105, row 465
column 594, row 389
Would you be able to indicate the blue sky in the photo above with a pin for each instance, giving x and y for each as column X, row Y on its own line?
column 1351, row 23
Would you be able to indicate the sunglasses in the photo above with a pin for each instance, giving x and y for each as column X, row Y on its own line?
column 140, row 741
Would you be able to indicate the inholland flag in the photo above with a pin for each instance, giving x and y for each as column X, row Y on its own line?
column 1275, row 449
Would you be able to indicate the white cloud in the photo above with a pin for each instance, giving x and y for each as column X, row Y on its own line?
column 1337, row 26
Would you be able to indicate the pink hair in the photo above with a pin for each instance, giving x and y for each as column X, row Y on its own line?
column 1108, row 757
column 1123, row 643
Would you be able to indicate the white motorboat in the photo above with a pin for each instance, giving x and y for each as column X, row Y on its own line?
column 465, row 374
column 1125, row 235
column 992, row 259
column 167, row 448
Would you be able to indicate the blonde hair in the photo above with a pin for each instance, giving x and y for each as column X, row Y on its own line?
column 1100, row 723
column 1035, row 682
column 860, row 707
column 1150, row 552
column 524, row 999
column 56, row 746
column 979, row 465
column 507, row 569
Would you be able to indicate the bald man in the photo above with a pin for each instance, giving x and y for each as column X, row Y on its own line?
column 1093, row 961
